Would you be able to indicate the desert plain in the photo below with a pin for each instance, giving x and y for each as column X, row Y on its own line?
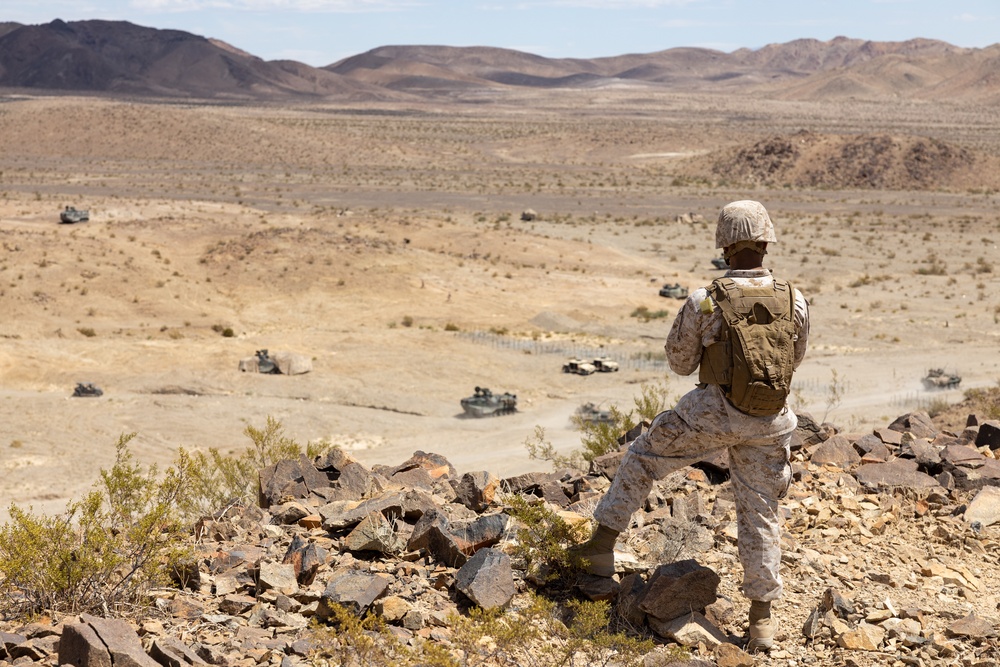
column 385, row 242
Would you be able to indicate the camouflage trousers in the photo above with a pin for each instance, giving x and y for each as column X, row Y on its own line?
column 760, row 475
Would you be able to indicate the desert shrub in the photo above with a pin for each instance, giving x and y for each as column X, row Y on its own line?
column 535, row 634
column 543, row 538
column 218, row 480
column 451, row 327
column 599, row 438
column 104, row 553
column 354, row 640
column 645, row 314
column 87, row 331
column 937, row 407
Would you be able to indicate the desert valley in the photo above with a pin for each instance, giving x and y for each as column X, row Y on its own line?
column 379, row 232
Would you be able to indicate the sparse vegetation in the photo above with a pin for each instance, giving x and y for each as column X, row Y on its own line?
column 104, row 552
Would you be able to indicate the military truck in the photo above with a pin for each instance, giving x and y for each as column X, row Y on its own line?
column 484, row 403
column 936, row 378
column 70, row 215
column 86, row 389
column 674, row 291
column 579, row 366
column 605, row 365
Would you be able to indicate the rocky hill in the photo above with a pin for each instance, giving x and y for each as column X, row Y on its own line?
column 858, row 161
column 890, row 547
column 119, row 57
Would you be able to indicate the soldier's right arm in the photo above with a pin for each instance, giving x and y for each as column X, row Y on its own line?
column 684, row 342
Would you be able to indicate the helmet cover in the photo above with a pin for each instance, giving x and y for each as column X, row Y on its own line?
column 744, row 220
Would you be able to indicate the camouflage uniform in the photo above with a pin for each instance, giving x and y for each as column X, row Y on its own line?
column 703, row 422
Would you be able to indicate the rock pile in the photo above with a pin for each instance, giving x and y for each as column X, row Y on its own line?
column 889, row 549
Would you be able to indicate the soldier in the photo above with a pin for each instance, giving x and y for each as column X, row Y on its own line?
column 738, row 405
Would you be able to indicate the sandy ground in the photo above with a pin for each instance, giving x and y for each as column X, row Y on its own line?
column 402, row 269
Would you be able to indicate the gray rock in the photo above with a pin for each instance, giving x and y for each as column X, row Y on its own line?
column 688, row 630
column 837, row 451
column 678, row 588
column 374, row 533
column 476, row 490
column 918, row 423
column 170, row 652
column 989, row 435
column 972, row 626
column 985, row 507
column 102, row 642
column 278, row 577
column 898, row 473
column 354, row 590
column 487, row 579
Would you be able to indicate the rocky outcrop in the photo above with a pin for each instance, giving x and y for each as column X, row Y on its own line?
column 889, row 546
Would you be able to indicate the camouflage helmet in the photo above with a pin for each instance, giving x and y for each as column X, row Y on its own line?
column 744, row 220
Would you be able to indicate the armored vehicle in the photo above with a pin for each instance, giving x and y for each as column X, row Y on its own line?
column 674, row 291
column 720, row 263
column 591, row 414
column 70, row 215
column 84, row 389
column 264, row 362
column 484, row 403
column 936, row 378
column 579, row 367
column 605, row 365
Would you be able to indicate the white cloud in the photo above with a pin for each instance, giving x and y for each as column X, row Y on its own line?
column 620, row 4
column 587, row 4
column 969, row 18
column 344, row 6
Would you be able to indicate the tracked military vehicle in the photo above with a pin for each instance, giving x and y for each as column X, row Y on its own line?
column 589, row 413
column 674, row 291
column 264, row 362
column 720, row 263
column 70, row 215
column 484, row 403
column 936, row 378
column 85, row 389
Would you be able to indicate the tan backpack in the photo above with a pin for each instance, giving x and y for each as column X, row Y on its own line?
column 754, row 365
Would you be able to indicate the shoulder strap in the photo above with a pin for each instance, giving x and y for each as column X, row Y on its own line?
column 723, row 289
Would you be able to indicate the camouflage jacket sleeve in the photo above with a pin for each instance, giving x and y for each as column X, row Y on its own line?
column 687, row 335
column 801, row 327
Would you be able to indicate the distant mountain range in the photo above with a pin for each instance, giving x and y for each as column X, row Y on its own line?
column 122, row 58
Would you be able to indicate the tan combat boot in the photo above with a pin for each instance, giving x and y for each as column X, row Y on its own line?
column 598, row 551
column 762, row 627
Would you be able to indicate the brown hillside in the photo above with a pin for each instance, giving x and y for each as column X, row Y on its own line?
column 120, row 57
column 867, row 161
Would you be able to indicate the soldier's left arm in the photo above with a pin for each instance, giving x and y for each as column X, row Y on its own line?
column 801, row 327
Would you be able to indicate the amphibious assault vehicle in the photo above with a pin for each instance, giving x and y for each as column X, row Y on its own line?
column 71, row 215
column 84, row 389
column 589, row 413
column 936, row 378
column 484, row 403
column 674, row 291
